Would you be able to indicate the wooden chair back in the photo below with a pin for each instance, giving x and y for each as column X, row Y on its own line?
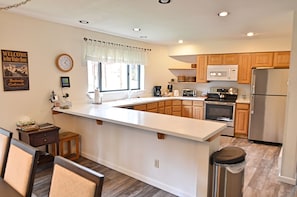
column 21, row 167
column 5, row 138
column 75, row 180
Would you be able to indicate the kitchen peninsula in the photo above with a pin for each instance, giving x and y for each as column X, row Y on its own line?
column 169, row 152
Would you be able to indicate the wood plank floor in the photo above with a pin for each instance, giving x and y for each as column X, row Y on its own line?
column 260, row 175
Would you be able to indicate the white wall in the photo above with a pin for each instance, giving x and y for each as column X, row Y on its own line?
column 289, row 156
column 44, row 41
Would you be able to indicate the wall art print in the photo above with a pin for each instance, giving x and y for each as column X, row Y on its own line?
column 15, row 70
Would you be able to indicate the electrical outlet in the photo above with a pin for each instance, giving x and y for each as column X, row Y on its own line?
column 156, row 163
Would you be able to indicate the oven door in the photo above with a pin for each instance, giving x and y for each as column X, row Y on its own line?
column 222, row 112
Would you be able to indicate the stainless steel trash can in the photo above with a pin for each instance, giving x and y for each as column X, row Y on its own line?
column 228, row 172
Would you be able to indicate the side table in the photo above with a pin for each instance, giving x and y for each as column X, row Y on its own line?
column 45, row 135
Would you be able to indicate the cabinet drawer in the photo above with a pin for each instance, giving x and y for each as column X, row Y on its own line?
column 168, row 103
column 242, row 106
column 176, row 102
column 40, row 139
column 161, row 104
column 198, row 103
column 186, row 102
column 150, row 106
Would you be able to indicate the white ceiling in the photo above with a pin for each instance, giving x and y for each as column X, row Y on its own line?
column 190, row 20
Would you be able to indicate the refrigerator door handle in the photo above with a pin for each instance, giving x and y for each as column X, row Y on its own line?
column 252, row 104
column 253, row 84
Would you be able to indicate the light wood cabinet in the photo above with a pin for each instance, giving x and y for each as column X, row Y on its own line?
column 140, row 107
column 176, row 107
column 262, row 59
column 215, row 59
column 201, row 75
column 168, row 107
column 161, row 107
column 152, row 107
column 198, row 110
column 222, row 59
column 242, row 119
column 244, row 68
column 281, row 59
column 187, row 108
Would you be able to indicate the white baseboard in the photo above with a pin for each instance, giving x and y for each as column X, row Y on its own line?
column 286, row 180
column 140, row 177
column 281, row 178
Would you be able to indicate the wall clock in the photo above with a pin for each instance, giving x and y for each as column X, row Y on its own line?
column 64, row 62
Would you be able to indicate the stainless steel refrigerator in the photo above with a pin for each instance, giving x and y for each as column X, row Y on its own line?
column 268, row 104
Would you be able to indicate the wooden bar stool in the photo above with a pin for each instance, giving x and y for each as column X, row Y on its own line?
column 67, row 137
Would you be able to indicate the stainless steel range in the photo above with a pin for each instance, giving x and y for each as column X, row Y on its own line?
column 220, row 106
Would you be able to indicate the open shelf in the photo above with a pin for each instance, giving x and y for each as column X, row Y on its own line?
column 189, row 72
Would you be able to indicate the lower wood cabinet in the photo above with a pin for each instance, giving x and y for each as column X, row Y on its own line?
column 184, row 108
column 242, row 119
column 187, row 108
column 198, row 110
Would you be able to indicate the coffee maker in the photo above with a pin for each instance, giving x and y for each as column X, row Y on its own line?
column 157, row 91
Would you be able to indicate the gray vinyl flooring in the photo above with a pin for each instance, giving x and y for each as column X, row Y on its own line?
column 260, row 175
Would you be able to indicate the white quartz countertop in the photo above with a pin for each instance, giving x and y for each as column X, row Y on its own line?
column 188, row 128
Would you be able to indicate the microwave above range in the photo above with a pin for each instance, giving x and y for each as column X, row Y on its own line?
column 222, row 72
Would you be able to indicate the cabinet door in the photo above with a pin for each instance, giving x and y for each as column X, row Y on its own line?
column 215, row 59
column 262, row 59
column 168, row 110
column 201, row 75
column 198, row 112
column 140, row 107
column 152, row 106
column 242, row 120
column 187, row 111
column 281, row 59
column 230, row 59
column 244, row 68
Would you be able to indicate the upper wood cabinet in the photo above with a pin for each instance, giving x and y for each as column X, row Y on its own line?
column 222, row 59
column 201, row 69
column 244, row 68
column 281, row 59
column 262, row 59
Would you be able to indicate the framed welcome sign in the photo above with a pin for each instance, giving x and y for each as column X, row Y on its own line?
column 15, row 70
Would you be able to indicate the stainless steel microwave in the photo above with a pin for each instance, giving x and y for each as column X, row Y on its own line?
column 222, row 72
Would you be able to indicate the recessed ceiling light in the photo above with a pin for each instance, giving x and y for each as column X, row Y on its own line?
column 180, row 41
column 250, row 34
column 223, row 13
column 136, row 29
column 164, row 1
column 83, row 22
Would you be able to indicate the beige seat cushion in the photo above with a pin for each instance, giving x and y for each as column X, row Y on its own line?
column 66, row 183
column 18, row 168
column 3, row 143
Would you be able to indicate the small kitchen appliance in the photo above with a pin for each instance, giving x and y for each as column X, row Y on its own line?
column 157, row 91
column 189, row 92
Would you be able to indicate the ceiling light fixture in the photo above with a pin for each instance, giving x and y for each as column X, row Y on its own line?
column 223, row 13
column 180, row 41
column 136, row 29
column 83, row 22
column 250, row 34
column 164, row 1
